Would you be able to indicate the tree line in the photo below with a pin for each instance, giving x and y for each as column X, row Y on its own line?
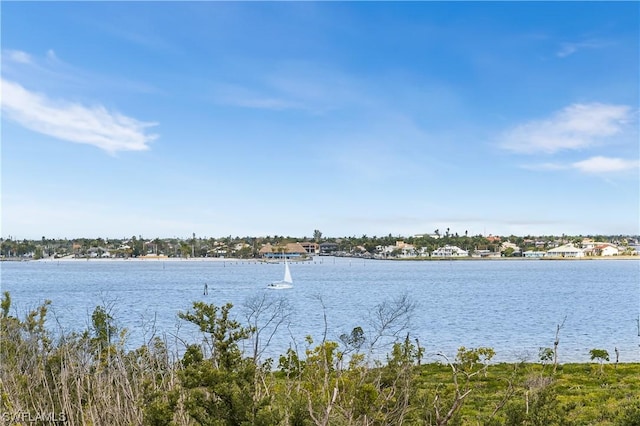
column 248, row 247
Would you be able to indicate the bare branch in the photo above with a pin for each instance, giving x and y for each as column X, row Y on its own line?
column 390, row 319
column 265, row 316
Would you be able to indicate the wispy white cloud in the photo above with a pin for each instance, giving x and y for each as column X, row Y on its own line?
column 49, row 72
column 545, row 166
column 17, row 56
column 238, row 96
column 598, row 165
column 567, row 49
column 74, row 122
column 295, row 86
column 51, row 56
column 574, row 127
column 595, row 165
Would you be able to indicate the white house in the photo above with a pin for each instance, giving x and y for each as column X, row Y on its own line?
column 449, row 251
column 606, row 250
column 506, row 245
column 567, row 250
column 406, row 250
column 485, row 254
column 534, row 254
column 401, row 248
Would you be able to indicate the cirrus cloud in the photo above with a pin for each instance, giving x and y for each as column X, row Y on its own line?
column 17, row 56
column 577, row 126
column 568, row 49
column 97, row 126
column 598, row 165
column 601, row 164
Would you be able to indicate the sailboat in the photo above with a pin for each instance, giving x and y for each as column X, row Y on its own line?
column 286, row 282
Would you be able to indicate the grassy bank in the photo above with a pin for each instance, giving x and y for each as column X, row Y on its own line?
column 576, row 394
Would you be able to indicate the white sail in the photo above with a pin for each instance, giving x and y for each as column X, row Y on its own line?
column 287, row 282
column 287, row 272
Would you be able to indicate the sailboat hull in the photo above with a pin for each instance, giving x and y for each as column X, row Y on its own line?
column 281, row 285
column 287, row 282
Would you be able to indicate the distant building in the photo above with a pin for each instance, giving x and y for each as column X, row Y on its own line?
column 404, row 249
column 290, row 250
column 434, row 236
column 328, row 248
column 449, row 251
column 385, row 250
column 540, row 244
column 240, row 246
column 485, row 254
column 310, row 248
column 567, row 250
column 606, row 249
column 534, row 254
column 266, row 250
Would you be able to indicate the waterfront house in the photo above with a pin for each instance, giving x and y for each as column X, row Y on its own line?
column 449, row 251
column 404, row 249
column 290, row 250
column 534, row 254
column 385, row 251
column 567, row 250
column 540, row 244
column 606, row 249
column 266, row 250
column 328, row 248
column 509, row 245
column 485, row 254
column 295, row 250
column 310, row 248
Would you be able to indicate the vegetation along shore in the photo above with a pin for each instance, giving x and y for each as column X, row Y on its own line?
column 436, row 245
column 88, row 377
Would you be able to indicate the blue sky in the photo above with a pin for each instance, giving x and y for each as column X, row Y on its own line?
column 163, row 119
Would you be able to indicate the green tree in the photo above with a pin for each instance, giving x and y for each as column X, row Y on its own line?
column 223, row 388
column 136, row 247
column 545, row 355
column 38, row 253
column 601, row 355
column 103, row 328
column 354, row 340
column 185, row 249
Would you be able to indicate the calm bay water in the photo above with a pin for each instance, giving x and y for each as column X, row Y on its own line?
column 511, row 306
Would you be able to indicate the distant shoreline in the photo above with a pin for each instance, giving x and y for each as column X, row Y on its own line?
column 148, row 259
column 236, row 260
column 512, row 259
